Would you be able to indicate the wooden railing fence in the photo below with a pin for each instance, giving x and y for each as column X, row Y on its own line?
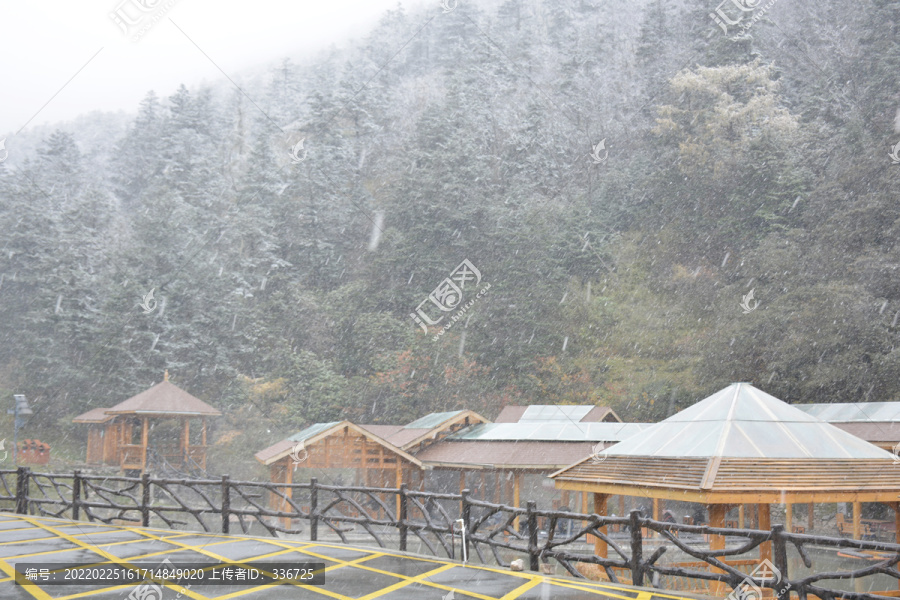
column 434, row 518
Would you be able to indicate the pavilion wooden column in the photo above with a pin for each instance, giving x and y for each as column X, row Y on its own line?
column 741, row 516
column 857, row 519
column 516, row 496
column 186, row 444
column 789, row 517
column 145, row 436
column 398, row 480
column 765, row 523
column 600, row 546
column 622, row 512
column 584, row 506
column 285, row 505
column 811, row 517
column 716, row 542
column 650, row 532
column 896, row 507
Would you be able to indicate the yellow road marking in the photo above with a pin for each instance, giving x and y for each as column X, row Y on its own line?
column 523, row 588
column 406, row 582
column 45, row 524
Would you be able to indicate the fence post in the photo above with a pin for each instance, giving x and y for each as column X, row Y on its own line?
column 76, row 495
column 145, row 499
column 402, row 517
column 779, row 552
column 466, row 518
column 531, row 519
column 637, row 549
column 22, row 475
column 313, row 510
column 226, row 505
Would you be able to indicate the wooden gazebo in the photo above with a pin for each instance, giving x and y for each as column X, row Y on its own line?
column 740, row 448
column 120, row 435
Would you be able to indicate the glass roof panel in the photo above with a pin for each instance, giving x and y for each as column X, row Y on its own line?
column 749, row 423
column 546, row 412
column 844, row 412
column 431, row 420
column 314, row 429
column 551, row 431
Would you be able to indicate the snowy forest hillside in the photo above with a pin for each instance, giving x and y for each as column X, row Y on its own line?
column 757, row 160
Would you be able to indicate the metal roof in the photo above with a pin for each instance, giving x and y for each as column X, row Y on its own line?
column 541, row 456
column 431, row 420
column 851, row 412
column 742, row 421
column 739, row 444
column 550, row 431
column 545, row 412
column 312, row 430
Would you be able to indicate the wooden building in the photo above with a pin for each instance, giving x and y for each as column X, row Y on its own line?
column 496, row 461
column 741, row 451
column 121, row 435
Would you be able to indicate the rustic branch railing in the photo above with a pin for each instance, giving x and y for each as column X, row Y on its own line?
column 215, row 504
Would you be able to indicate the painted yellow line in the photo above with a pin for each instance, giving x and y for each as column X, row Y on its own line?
column 34, row 590
column 96, row 550
column 523, row 588
column 402, row 584
column 168, row 536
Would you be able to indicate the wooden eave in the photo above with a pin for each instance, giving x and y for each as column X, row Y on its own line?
column 351, row 427
column 719, row 480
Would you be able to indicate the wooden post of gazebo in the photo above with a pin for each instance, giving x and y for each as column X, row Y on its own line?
column 765, row 522
column 145, row 434
column 716, row 542
column 600, row 505
column 186, row 443
column 811, row 517
column 857, row 519
column 516, row 499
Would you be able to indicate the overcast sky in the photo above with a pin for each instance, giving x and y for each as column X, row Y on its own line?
column 45, row 43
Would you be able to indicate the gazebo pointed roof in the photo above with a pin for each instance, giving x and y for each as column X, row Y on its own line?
column 742, row 421
column 164, row 399
column 738, row 443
